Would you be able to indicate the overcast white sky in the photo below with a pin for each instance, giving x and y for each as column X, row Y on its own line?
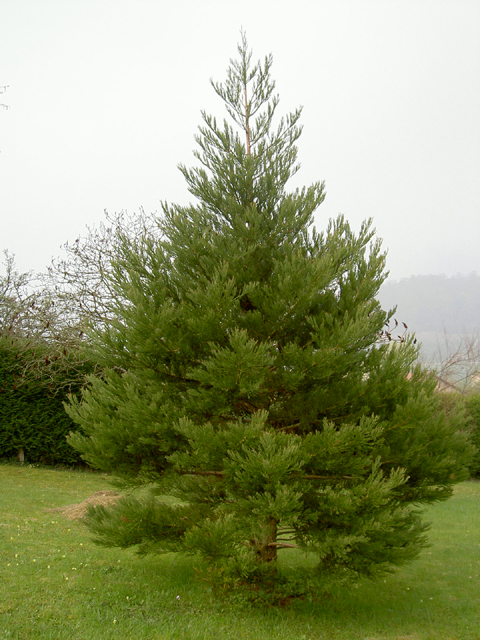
column 105, row 98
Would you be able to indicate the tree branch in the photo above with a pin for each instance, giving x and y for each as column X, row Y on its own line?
column 247, row 123
column 221, row 474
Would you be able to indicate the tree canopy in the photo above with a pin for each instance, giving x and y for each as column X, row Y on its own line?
column 249, row 378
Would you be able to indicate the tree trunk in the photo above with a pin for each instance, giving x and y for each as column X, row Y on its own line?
column 265, row 547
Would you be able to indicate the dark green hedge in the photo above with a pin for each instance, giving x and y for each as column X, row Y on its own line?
column 32, row 417
column 472, row 405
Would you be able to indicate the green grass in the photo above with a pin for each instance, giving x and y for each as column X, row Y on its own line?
column 55, row 583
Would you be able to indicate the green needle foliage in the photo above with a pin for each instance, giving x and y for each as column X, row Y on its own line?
column 249, row 380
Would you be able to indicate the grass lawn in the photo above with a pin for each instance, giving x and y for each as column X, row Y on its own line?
column 56, row 584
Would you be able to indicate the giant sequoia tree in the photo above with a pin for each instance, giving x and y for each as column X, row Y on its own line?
column 245, row 375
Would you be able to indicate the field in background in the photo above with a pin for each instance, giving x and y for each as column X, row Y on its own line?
column 55, row 583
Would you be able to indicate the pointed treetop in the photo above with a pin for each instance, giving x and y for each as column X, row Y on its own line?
column 241, row 104
column 249, row 170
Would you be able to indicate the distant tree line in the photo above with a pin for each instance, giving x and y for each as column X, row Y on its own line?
column 436, row 303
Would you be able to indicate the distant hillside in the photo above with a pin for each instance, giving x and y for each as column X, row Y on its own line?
column 433, row 306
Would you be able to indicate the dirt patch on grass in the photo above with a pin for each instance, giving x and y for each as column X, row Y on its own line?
column 78, row 511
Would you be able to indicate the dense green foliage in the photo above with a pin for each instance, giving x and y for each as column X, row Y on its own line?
column 472, row 404
column 249, row 373
column 32, row 416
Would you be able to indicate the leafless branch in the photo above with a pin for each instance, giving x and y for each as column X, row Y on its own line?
column 457, row 361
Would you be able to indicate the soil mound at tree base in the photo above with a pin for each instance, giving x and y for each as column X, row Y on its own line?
column 78, row 511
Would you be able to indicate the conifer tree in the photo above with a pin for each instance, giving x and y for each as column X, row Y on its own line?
column 245, row 374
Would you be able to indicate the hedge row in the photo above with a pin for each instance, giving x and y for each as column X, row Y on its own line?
column 32, row 417
column 472, row 405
